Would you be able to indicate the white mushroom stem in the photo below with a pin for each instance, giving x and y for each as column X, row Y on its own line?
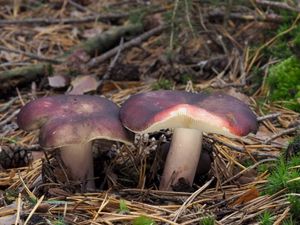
column 79, row 161
column 183, row 157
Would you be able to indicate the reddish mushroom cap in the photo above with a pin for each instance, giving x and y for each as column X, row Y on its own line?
column 212, row 113
column 72, row 119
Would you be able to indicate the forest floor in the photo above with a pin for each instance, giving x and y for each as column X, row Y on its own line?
column 122, row 47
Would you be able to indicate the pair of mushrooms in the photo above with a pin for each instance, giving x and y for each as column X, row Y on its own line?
column 70, row 123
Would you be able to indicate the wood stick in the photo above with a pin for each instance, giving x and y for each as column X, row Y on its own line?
column 46, row 21
column 280, row 5
column 268, row 116
column 271, row 17
column 134, row 42
column 284, row 132
column 87, row 19
column 31, row 55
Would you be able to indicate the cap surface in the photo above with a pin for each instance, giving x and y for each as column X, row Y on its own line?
column 72, row 119
column 212, row 113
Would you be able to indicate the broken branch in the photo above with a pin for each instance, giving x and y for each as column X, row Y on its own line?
column 134, row 42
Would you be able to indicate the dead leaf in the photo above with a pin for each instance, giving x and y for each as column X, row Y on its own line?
column 247, row 196
column 83, row 84
column 59, row 81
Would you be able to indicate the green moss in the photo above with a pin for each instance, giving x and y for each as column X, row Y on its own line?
column 208, row 220
column 289, row 221
column 143, row 220
column 283, row 171
column 281, row 47
column 266, row 218
column 247, row 162
column 163, row 84
column 256, row 79
column 284, row 83
column 185, row 78
column 137, row 15
column 59, row 221
column 279, row 50
column 10, row 195
column 281, row 176
column 296, row 41
column 261, row 104
column 295, row 207
column 123, row 209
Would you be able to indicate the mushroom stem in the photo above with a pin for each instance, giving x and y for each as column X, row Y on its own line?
column 79, row 160
column 183, row 157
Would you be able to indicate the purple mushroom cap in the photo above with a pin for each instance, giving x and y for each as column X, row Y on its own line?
column 72, row 119
column 211, row 113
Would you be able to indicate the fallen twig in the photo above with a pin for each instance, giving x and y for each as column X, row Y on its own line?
column 134, row 42
column 268, row 116
column 240, row 149
column 108, row 39
column 46, row 21
column 191, row 199
column 247, row 169
column 270, row 17
column 87, row 19
column 9, row 118
column 8, row 104
column 23, row 75
column 280, row 5
column 112, row 64
column 284, row 132
column 79, row 7
column 30, row 55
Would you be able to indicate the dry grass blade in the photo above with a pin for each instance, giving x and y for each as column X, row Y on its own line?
column 19, row 205
column 247, row 169
column 190, row 199
column 257, row 53
column 34, row 209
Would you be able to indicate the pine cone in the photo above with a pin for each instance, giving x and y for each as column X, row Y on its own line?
column 12, row 156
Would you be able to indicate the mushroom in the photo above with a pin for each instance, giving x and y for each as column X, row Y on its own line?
column 189, row 114
column 70, row 123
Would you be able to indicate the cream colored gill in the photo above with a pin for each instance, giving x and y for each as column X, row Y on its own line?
column 181, row 119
